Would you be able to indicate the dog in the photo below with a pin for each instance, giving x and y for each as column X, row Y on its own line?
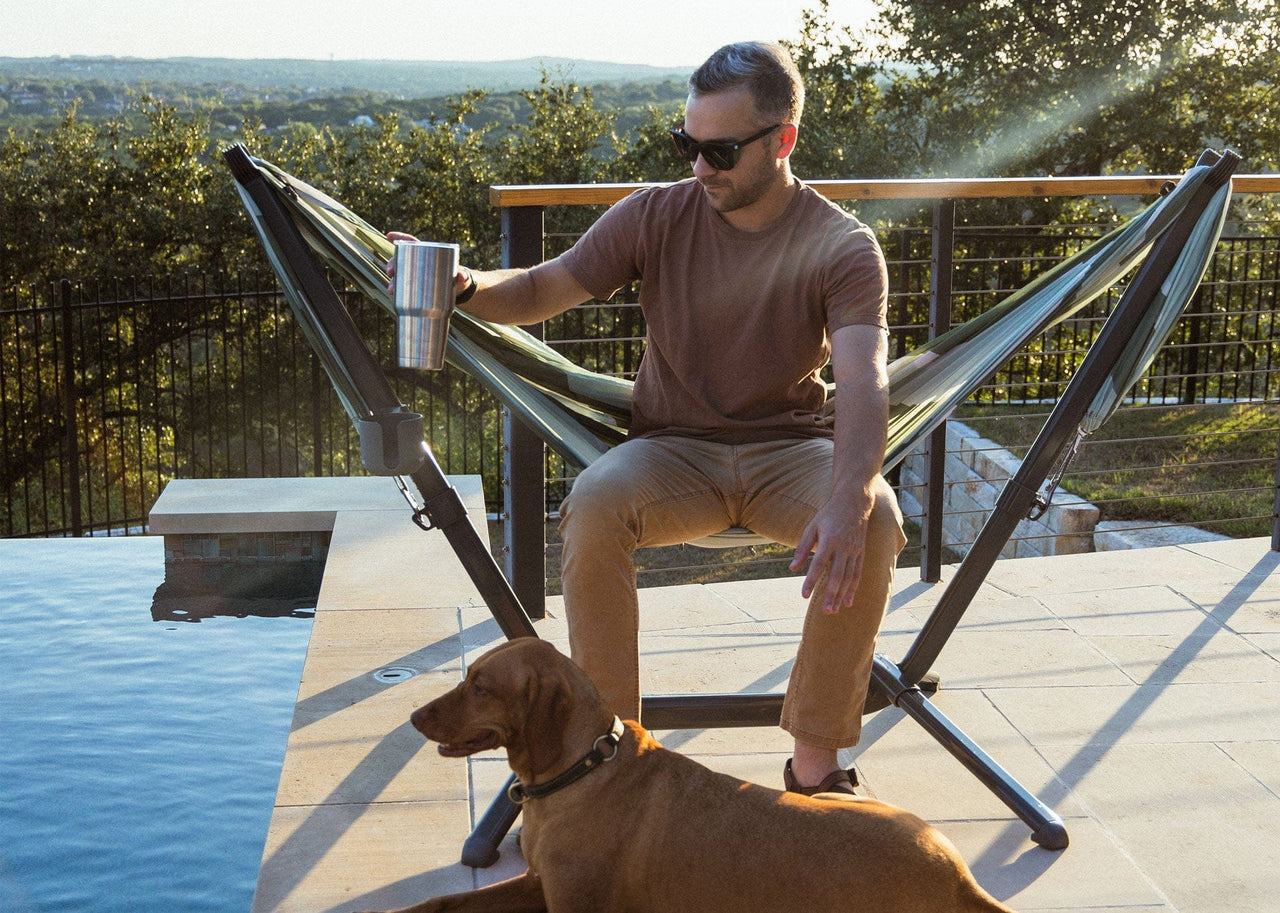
column 615, row 822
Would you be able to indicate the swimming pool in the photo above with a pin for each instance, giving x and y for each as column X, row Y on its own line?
column 138, row 758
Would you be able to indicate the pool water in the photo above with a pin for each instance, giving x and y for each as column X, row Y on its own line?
column 138, row 758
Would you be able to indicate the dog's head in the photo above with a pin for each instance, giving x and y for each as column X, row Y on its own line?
column 523, row 695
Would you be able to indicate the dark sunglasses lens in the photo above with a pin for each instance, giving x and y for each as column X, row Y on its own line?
column 719, row 156
column 685, row 146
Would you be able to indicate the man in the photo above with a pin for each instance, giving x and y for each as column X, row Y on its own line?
column 750, row 282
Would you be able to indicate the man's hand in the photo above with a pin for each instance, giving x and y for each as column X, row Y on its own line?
column 836, row 538
column 512, row 296
column 460, row 280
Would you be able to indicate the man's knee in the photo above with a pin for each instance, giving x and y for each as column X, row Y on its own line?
column 600, row 497
column 884, row 526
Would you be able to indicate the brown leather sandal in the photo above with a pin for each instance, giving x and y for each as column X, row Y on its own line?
column 839, row 781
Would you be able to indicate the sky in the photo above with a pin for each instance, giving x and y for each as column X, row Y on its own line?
column 659, row 32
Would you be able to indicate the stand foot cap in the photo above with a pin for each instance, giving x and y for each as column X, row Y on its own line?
column 1052, row 836
column 478, row 853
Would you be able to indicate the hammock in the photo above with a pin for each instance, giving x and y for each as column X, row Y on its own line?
column 580, row 414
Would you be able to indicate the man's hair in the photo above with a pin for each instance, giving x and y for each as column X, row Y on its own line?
column 764, row 69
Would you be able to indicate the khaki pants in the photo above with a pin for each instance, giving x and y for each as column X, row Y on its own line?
column 667, row 490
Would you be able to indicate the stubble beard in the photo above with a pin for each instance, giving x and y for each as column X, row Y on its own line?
column 729, row 195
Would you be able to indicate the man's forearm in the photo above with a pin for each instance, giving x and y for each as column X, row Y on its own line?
column 523, row 296
column 500, row 296
column 861, row 436
column 862, row 410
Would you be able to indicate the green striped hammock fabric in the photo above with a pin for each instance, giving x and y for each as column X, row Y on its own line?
column 580, row 414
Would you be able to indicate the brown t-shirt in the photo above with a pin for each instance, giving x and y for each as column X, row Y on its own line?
column 739, row 323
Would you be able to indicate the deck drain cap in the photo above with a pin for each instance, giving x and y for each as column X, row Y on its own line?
column 393, row 675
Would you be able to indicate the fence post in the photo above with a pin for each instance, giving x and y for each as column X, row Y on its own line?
column 524, row 502
column 317, row 422
column 71, row 434
column 941, row 261
column 1191, row 367
column 1275, row 508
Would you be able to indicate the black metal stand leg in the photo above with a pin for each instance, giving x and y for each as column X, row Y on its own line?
column 446, row 511
column 376, row 410
column 1046, row 826
column 480, row 850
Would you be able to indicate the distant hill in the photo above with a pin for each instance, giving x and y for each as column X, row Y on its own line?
column 404, row 78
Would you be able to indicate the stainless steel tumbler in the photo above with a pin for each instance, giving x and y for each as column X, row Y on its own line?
column 424, row 301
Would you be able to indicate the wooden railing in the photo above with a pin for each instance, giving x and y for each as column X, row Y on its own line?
column 544, row 195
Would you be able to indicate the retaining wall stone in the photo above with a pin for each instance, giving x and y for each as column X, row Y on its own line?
column 976, row 472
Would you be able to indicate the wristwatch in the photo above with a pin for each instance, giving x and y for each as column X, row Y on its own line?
column 465, row 295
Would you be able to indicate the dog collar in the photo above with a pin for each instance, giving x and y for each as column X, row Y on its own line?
column 518, row 792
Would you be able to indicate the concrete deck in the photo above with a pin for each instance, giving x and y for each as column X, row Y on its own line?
column 1134, row 692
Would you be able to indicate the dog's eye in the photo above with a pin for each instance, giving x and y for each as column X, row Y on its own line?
column 478, row 689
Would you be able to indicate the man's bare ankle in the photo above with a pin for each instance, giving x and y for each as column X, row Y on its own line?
column 810, row 764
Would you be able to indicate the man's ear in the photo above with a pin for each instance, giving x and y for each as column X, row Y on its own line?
column 787, row 135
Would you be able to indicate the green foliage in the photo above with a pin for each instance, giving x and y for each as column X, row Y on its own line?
column 1088, row 86
column 107, row 198
column 55, row 79
column 560, row 140
column 849, row 130
column 145, row 192
column 932, row 89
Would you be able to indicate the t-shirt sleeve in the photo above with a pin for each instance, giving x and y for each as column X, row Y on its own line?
column 608, row 256
column 857, row 283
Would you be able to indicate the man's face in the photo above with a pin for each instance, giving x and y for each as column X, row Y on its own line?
column 731, row 116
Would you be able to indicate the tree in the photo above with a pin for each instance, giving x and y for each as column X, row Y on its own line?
column 1087, row 86
column 848, row 131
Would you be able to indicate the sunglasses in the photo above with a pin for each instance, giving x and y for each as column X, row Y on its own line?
column 721, row 156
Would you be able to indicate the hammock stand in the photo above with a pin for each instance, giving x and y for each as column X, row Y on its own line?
column 580, row 415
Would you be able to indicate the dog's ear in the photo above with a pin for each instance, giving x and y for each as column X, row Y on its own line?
column 550, row 701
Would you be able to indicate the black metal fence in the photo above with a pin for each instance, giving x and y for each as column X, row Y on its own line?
column 1200, row 430
column 109, row 389
column 1222, row 348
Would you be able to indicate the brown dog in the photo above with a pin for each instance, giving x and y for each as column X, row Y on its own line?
column 650, row 831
